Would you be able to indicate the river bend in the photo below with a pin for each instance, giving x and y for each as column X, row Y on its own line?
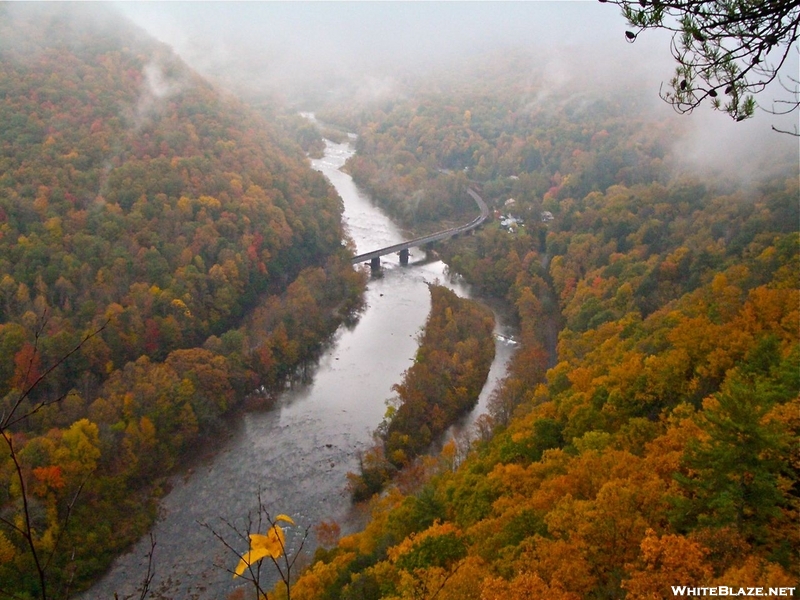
column 299, row 452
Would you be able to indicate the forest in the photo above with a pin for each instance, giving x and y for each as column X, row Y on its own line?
column 654, row 442
column 168, row 259
column 452, row 362
column 166, row 255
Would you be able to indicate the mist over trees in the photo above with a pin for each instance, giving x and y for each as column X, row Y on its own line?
column 661, row 434
column 318, row 53
column 727, row 52
column 165, row 251
column 158, row 245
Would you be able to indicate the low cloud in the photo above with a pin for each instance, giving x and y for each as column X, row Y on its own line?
column 158, row 87
column 308, row 52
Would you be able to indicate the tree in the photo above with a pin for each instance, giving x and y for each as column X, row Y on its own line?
column 727, row 50
column 428, row 560
column 741, row 474
column 79, row 447
column 667, row 561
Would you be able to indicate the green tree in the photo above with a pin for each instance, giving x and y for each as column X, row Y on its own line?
column 738, row 476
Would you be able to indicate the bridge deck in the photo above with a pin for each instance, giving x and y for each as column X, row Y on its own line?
column 434, row 237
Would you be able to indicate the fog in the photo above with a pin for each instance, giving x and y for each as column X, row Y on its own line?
column 306, row 53
column 293, row 49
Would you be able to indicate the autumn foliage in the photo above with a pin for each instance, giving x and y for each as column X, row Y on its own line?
column 646, row 434
column 451, row 365
column 186, row 231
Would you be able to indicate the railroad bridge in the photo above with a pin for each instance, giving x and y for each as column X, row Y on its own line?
column 374, row 257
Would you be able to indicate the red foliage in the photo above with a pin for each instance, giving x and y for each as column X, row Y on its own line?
column 27, row 366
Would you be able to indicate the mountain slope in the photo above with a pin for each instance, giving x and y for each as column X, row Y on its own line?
column 660, row 447
column 182, row 233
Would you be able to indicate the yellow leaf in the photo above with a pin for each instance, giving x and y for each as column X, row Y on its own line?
column 261, row 546
column 272, row 542
column 286, row 518
column 248, row 559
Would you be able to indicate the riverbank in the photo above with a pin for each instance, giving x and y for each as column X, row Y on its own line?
column 299, row 453
column 444, row 382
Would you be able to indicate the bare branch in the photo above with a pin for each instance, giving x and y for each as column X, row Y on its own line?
column 70, row 507
column 7, row 420
column 151, row 572
column 284, row 564
column 26, row 530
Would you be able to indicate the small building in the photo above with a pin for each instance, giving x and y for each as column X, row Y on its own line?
column 510, row 223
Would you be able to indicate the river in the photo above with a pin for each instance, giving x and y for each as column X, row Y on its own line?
column 299, row 452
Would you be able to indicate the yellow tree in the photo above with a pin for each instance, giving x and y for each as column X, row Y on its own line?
column 666, row 561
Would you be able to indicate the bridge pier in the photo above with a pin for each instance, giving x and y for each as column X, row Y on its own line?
column 425, row 241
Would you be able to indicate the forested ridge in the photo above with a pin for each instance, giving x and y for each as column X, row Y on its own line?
column 179, row 241
column 658, row 447
column 175, row 250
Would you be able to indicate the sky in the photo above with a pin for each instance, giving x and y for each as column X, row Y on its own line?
column 287, row 49
column 274, row 44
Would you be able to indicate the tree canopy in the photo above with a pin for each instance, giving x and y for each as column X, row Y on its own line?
column 728, row 51
column 645, row 434
column 164, row 252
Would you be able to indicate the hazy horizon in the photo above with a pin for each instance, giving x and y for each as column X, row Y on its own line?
column 282, row 46
column 298, row 52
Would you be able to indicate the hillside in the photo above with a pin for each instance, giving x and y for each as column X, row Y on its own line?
column 654, row 443
column 159, row 243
